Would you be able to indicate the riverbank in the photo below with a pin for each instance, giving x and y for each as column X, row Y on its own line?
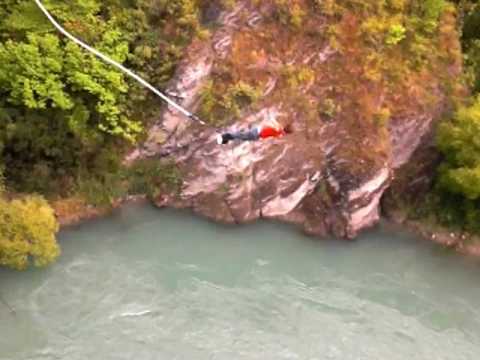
column 459, row 241
column 75, row 211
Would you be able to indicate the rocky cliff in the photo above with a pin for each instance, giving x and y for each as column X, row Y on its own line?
column 356, row 121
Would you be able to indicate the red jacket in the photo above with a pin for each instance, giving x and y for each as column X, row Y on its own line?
column 269, row 131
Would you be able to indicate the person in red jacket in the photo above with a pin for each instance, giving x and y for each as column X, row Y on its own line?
column 254, row 134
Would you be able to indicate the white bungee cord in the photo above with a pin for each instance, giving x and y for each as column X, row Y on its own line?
column 119, row 66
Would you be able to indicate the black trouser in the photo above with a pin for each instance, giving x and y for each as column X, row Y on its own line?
column 249, row 135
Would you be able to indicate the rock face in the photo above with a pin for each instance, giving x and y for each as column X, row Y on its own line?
column 330, row 174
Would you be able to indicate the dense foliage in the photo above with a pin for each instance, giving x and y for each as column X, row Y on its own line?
column 27, row 232
column 456, row 199
column 64, row 113
column 66, row 117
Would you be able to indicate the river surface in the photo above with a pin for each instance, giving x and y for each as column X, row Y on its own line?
column 151, row 284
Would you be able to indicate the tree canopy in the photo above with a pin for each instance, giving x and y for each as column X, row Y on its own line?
column 61, row 108
column 27, row 232
column 458, row 185
column 66, row 117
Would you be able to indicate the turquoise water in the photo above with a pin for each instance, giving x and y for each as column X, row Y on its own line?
column 158, row 284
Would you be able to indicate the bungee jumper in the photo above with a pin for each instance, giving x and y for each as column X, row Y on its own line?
column 274, row 130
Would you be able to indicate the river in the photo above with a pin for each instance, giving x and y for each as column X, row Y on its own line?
column 161, row 284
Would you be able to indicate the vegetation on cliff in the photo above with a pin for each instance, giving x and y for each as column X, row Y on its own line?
column 354, row 63
column 64, row 114
column 455, row 199
column 66, row 118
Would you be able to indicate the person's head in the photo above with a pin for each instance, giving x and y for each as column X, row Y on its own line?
column 288, row 129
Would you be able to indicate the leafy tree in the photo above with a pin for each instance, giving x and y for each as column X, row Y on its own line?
column 41, row 73
column 457, row 197
column 60, row 107
column 455, row 200
column 27, row 233
column 459, row 142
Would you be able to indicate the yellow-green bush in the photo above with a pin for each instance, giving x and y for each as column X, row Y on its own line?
column 298, row 75
column 220, row 104
column 290, row 13
column 396, row 33
column 27, row 233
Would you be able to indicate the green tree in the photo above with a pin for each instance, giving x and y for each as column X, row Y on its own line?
column 27, row 233
column 459, row 141
column 62, row 109
column 41, row 73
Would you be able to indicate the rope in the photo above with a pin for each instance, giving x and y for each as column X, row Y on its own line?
column 119, row 66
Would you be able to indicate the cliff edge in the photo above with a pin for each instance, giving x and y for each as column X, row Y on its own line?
column 361, row 102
